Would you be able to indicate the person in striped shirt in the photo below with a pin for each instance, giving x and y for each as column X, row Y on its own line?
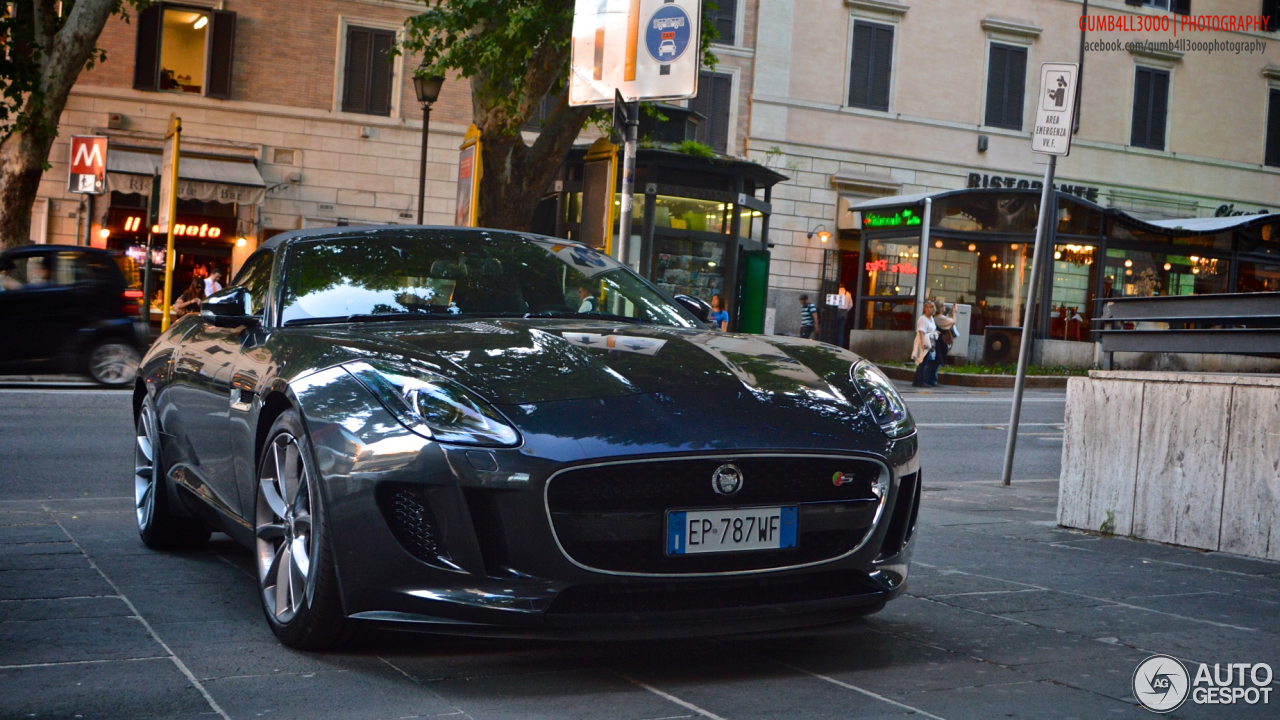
column 808, row 317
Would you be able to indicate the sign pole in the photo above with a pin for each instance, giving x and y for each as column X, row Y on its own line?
column 1024, row 350
column 153, row 217
column 169, row 208
column 1055, row 111
column 628, row 114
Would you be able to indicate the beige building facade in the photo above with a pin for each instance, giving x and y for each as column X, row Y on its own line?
column 859, row 99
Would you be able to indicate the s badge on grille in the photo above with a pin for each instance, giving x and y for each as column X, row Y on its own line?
column 727, row 479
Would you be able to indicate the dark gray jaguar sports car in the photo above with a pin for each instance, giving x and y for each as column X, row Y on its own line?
column 484, row 432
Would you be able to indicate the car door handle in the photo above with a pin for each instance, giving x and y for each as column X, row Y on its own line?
column 241, row 399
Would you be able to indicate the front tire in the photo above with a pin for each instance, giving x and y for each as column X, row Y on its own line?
column 297, row 578
column 159, row 528
column 112, row 363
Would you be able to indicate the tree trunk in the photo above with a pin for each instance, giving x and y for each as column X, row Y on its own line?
column 22, row 160
column 24, row 153
column 516, row 176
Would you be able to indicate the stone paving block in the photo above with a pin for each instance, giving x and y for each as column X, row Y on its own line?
column 156, row 689
column 1102, row 621
column 226, row 602
column 46, row 561
column 555, row 695
column 1004, row 602
column 66, row 582
column 42, row 548
column 1013, row 645
column 1121, row 546
column 31, row 533
column 75, row 639
column 1024, row 700
column 927, row 582
column 1219, row 608
column 260, row 655
column 1207, row 644
column 1231, row 563
column 371, row 692
column 196, row 568
column 1110, row 675
column 62, row 609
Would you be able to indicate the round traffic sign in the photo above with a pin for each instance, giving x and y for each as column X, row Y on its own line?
column 668, row 33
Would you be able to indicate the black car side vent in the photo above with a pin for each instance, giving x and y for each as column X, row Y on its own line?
column 902, row 523
column 409, row 516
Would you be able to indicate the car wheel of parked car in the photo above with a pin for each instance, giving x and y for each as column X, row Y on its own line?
column 296, row 575
column 113, row 363
column 158, row 527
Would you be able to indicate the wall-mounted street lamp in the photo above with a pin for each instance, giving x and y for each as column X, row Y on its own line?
column 821, row 232
column 427, row 88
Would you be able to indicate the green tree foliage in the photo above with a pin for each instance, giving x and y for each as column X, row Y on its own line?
column 514, row 53
column 44, row 44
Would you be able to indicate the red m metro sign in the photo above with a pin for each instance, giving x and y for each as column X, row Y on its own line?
column 88, row 165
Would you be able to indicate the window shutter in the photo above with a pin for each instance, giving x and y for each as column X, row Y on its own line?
column 355, row 93
column 718, row 115
column 881, row 66
column 1271, row 11
column 146, row 58
column 725, row 19
column 1181, row 7
column 1273, row 130
column 860, row 72
column 222, row 44
column 381, row 72
column 1159, row 107
column 1141, row 108
column 997, row 74
column 1017, row 87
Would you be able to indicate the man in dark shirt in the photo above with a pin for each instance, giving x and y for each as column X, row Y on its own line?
column 808, row 317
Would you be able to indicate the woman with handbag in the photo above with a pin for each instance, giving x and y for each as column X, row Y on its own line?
column 922, row 350
column 946, row 322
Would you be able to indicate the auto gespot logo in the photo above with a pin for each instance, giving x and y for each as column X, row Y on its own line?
column 1162, row 684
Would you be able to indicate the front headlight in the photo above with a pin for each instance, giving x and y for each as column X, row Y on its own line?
column 435, row 406
column 882, row 399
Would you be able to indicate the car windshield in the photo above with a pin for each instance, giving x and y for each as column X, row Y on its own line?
column 461, row 273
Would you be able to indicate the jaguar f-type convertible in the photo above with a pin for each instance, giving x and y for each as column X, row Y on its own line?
column 485, row 432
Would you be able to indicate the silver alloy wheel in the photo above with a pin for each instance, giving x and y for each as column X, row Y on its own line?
column 144, row 466
column 286, row 543
column 113, row 363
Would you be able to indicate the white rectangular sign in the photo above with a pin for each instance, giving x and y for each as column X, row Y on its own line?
column 646, row 49
column 1052, row 132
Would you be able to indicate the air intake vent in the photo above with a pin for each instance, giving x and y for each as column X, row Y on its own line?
column 409, row 516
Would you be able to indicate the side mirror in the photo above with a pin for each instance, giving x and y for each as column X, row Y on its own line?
column 228, row 308
column 700, row 309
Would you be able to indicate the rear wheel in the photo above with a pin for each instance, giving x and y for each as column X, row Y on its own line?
column 157, row 526
column 296, row 575
column 113, row 363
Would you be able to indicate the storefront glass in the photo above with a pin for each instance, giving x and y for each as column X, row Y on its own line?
column 1259, row 277
column 895, row 314
column 689, row 267
column 988, row 212
column 1138, row 273
column 1073, row 290
column 680, row 213
column 892, row 267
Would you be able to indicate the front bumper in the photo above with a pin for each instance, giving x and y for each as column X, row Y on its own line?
column 480, row 556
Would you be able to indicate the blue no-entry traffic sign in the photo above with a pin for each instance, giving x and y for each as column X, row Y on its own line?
column 667, row 34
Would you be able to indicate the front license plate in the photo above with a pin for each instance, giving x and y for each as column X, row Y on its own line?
column 706, row 531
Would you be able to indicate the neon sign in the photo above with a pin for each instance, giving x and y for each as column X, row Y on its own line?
column 902, row 218
column 883, row 265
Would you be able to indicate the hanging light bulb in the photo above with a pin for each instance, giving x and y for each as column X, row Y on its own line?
column 972, row 247
column 1128, row 263
column 937, row 244
column 1057, row 254
column 1168, row 267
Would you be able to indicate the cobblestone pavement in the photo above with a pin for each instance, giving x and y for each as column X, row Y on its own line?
column 1006, row 615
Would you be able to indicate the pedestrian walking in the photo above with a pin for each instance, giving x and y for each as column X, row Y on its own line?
column 945, row 321
column 922, row 350
column 808, row 317
column 719, row 317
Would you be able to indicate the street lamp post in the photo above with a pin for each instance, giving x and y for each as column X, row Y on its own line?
column 427, row 88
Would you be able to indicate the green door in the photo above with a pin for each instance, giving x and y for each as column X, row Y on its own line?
column 754, row 292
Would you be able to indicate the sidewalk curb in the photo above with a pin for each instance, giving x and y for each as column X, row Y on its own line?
column 1039, row 382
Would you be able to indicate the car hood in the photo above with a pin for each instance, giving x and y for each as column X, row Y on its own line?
column 515, row 362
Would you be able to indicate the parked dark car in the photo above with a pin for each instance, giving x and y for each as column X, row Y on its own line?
column 65, row 308
column 483, row 432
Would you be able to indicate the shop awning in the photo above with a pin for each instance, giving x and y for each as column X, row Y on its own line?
column 200, row 177
column 1212, row 224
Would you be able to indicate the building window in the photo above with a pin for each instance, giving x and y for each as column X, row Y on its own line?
column 1273, row 129
column 715, row 103
column 725, row 19
column 369, row 73
column 185, row 49
column 542, row 113
column 1006, row 83
column 871, row 65
column 1150, row 108
column 1181, row 7
column 1271, row 13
